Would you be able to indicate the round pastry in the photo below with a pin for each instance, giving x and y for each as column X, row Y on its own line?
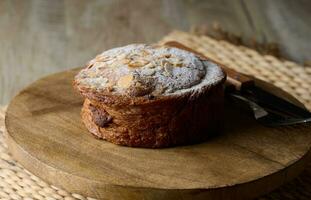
column 151, row 96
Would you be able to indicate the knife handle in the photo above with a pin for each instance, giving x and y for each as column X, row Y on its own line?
column 235, row 80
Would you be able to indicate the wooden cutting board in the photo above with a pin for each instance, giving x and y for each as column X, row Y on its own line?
column 45, row 134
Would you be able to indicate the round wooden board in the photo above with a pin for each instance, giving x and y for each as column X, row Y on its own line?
column 45, row 134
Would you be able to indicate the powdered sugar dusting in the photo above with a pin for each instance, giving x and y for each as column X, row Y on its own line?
column 150, row 69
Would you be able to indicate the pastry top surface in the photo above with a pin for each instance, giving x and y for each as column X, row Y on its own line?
column 140, row 69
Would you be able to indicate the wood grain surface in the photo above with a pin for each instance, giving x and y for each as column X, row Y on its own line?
column 46, row 135
column 41, row 37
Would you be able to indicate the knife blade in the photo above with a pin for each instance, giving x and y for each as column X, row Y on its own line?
column 267, row 118
column 269, row 100
column 267, row 107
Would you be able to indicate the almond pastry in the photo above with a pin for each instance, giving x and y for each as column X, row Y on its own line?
column 151, row 96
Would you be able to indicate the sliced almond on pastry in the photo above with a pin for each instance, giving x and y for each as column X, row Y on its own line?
column 125, row 81
column 138, row 63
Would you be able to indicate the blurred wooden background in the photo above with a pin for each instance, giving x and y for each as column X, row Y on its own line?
column 38, row 37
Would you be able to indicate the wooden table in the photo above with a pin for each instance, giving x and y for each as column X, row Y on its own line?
column 41, row 37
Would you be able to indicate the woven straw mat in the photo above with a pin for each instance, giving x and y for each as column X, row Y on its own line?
column 17, row 183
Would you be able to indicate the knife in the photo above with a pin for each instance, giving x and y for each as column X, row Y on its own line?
column 267, row 108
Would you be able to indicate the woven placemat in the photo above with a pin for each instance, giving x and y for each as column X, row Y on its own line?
column 17, row 183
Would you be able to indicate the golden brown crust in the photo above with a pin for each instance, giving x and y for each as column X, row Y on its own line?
column 155, row 123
